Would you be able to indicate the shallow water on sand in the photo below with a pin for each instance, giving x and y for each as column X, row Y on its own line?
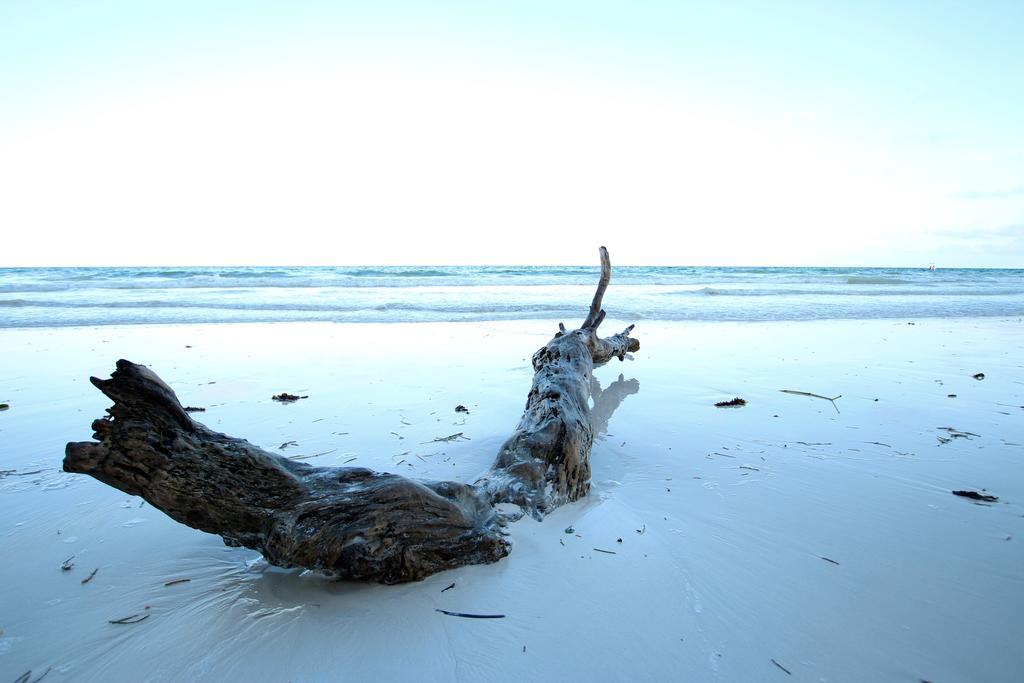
column 822, row 537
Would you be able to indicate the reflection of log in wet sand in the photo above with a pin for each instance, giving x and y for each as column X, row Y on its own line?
column 607, row 401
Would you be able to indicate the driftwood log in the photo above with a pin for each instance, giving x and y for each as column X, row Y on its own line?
column 351, row 521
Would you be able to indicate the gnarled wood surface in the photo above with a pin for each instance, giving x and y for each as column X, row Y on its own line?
column 351, row 521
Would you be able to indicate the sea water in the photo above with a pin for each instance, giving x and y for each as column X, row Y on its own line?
column 34, row 297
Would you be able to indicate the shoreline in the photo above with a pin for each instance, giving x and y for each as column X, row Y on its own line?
column 783, row 530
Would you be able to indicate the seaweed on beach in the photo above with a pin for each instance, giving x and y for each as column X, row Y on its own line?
column 734, row 403
column 285, row 397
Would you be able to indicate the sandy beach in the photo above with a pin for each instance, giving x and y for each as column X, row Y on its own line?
column 786, row 539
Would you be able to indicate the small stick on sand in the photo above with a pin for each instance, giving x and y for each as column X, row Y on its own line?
column 470, row 616
column 788, row 672
column 450, row 437
column 315, row 455
column 610, row 552
column 129, row 619
column 807, row 393
column 42, row 675
column 177, row 581
column 448, row 587
column 89, row 578
column 828, row 559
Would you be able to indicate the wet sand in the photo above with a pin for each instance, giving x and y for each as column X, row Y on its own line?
column 784, row 535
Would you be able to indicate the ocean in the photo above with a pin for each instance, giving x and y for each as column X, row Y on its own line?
column 48, row 297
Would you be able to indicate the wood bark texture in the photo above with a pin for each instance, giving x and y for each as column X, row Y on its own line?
column 350, row 521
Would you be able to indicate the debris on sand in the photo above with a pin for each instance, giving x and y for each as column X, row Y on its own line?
column 979, row 376
column 734, row 403
column 286, row 444
column 194, row 409
column 812, row 395
column 955, row 433
column 470, row 616
column 461, row 409
column 4, row 406
column 67, row 565
column 175, row 582
column 458, row 436
column 92, row 574
column 132, row 619
column 285, row 397
column 974, row 495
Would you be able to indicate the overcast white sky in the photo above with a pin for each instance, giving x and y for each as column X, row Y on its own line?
column 187, row 134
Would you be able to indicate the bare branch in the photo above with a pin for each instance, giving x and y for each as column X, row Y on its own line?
column 595, row 307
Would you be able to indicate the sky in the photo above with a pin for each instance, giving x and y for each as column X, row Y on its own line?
column 675, row 133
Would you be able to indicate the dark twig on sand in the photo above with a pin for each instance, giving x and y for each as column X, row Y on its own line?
column 828, row 559
column 89, row 578
column 16, row 473
column 131, row 619
column 470, row 616
column 176, row 582
column 609, row 552
column 788, row 672
column 451, row 437
column 974, row 495
column 957, row 434
column 194, row 409
column 832, row 400
column 67, row 564
column 448, row 587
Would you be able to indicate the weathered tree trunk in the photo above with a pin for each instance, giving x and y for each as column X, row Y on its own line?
column 351, row 521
